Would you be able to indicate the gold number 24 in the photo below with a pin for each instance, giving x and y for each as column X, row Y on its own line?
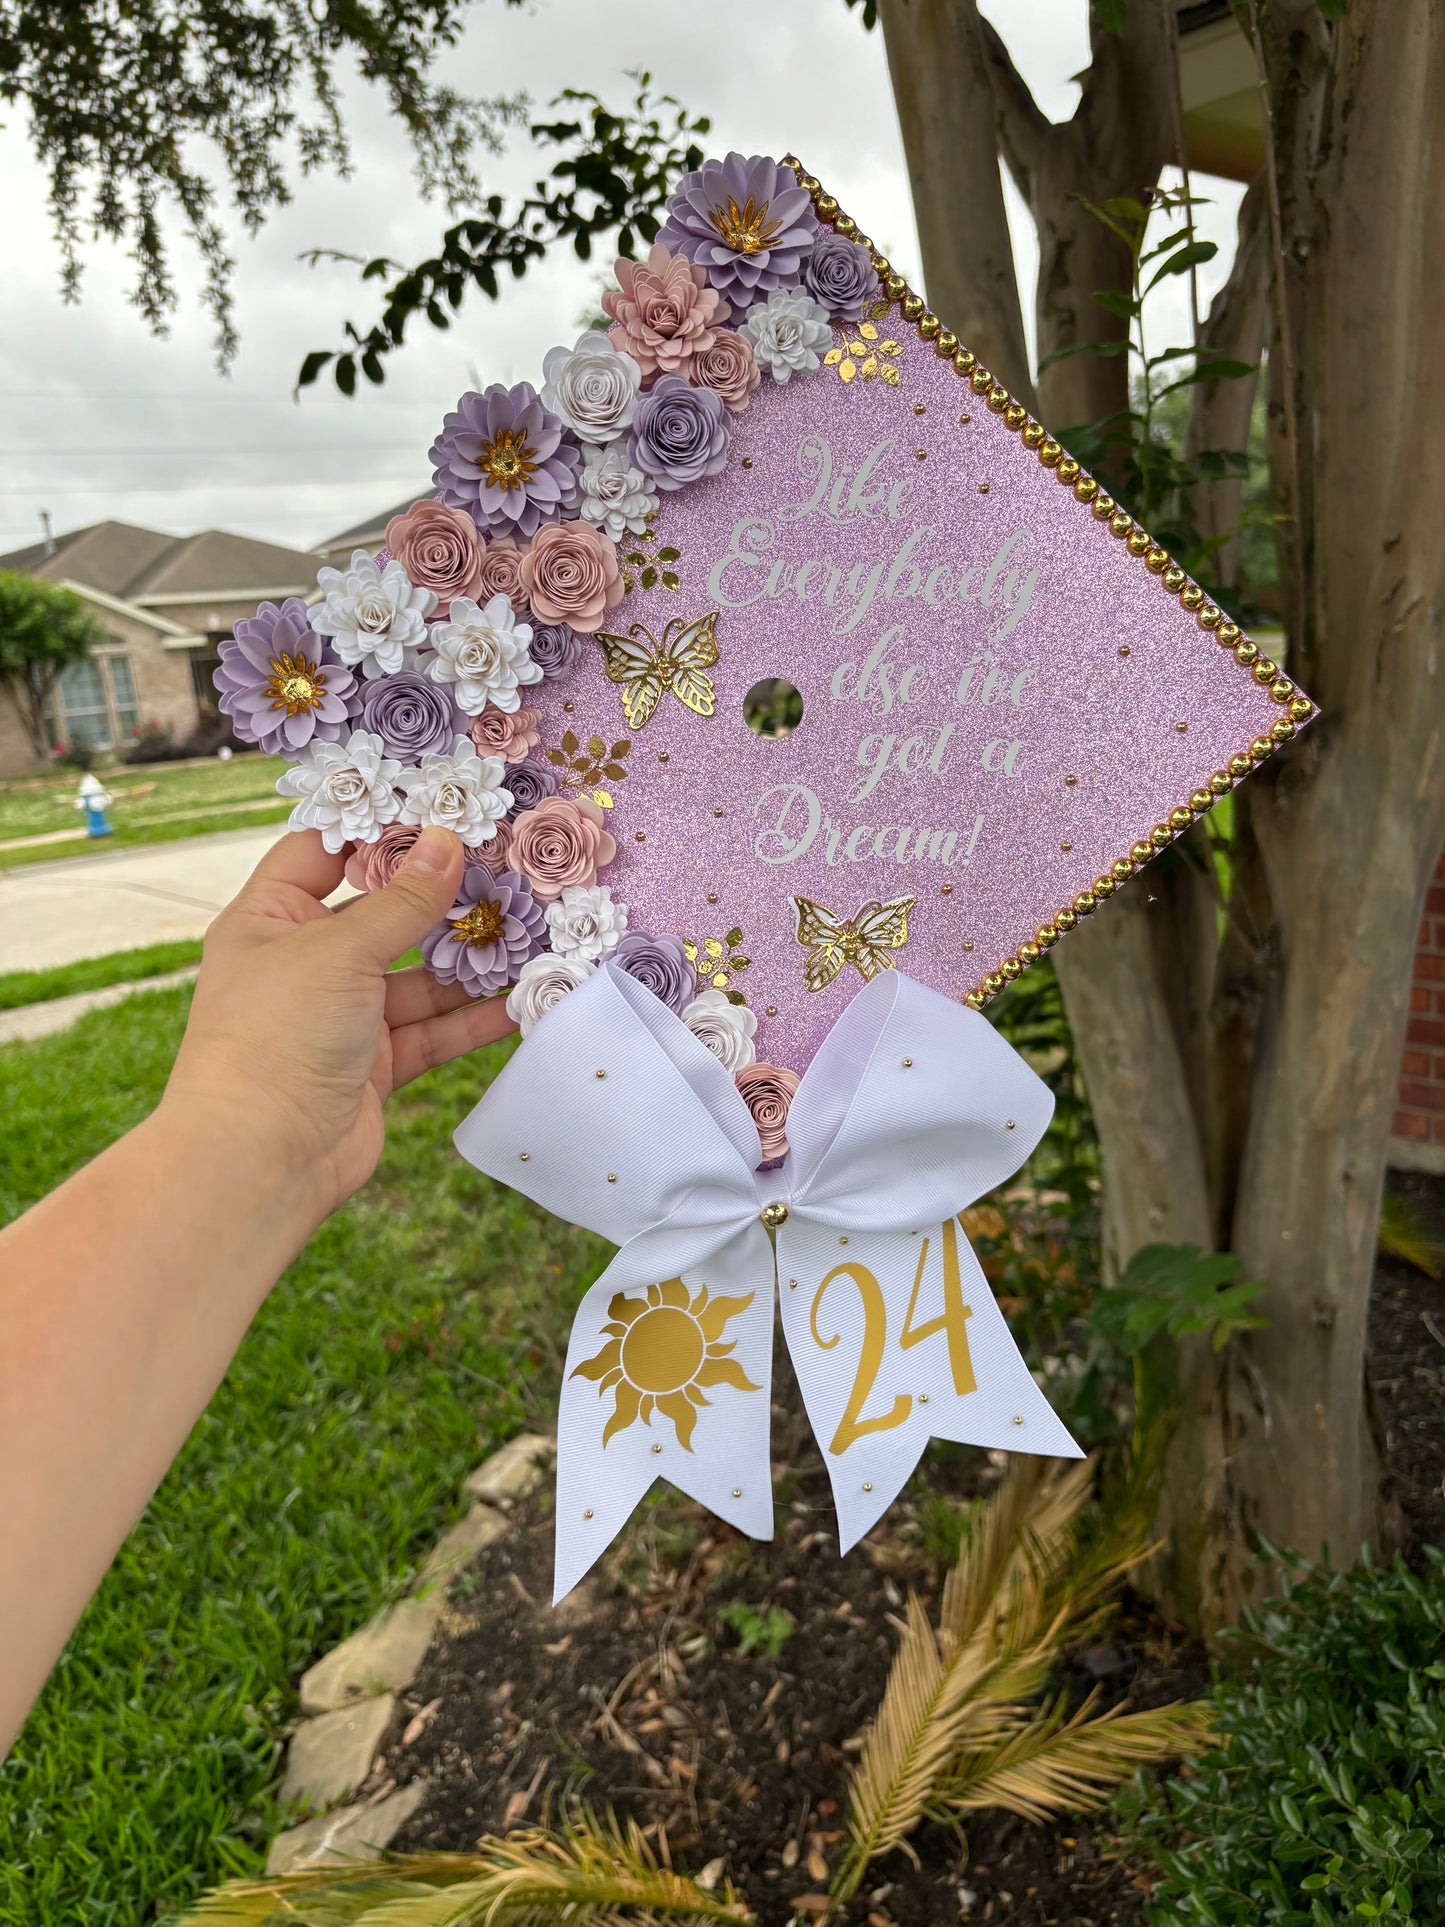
column 952, row 1321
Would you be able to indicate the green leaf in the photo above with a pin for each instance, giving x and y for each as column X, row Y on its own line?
column 1104, row 348
column 312, row 366
column 1115, row 301
column 1113, row 15
column 1332, row 9
column 1183, row 260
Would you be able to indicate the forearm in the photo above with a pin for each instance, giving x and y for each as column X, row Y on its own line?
column 123, row 1297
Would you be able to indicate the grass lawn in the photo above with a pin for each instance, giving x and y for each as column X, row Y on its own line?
column 127, row 836
column 30, row 806
column 21, row 987
column 421, row 1325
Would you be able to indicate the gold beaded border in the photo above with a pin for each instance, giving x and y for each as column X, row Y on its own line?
column 1296, row 708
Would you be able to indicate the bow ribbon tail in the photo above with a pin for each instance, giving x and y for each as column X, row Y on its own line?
column 667, row 1376
column 896, row 1337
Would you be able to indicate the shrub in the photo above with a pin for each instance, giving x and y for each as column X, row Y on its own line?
column 1326, row 1800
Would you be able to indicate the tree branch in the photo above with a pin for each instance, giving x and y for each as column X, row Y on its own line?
column 1021, row 124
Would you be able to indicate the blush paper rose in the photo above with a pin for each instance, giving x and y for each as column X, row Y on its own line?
column 662, row 312
column 768, row 1090
column 570, row 575
column 560, row 844
column 500, row 572
column 729, row 368
column 506, row 733
column 371, row 866
column 439, row 548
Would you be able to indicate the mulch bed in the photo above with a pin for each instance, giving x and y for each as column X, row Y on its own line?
column 634, row 1694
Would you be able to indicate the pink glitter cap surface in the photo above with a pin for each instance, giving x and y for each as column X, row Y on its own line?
column 999, row 697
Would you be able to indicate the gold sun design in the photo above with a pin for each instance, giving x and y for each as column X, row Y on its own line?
column 661, row 1350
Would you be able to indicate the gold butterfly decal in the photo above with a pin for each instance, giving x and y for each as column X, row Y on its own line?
column 864, row 939
column 646, row 667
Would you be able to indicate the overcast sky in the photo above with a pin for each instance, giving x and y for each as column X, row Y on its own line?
column 99, row 419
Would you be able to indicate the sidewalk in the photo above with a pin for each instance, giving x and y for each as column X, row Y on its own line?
column 88, row 906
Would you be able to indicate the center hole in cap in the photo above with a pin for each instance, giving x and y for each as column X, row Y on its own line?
column 772, row 707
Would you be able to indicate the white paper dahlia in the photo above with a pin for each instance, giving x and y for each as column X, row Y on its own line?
column 481, row 654
column 347, row 790
column 374, row 617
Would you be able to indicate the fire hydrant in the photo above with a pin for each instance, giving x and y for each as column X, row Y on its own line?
column 95, row 799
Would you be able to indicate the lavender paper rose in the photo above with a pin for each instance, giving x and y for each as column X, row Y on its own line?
column 413, row 716
column 555, row 649
column 839, row 275
column 679, row 433
column 531, row 782
column 659, row 963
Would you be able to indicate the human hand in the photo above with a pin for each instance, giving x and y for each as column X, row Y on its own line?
column 298, row 1033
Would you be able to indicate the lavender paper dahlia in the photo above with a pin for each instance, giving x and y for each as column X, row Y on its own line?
column 747, row 223
column 679, row 433
column 507, row 460
column 492, row 929
column 280, row 683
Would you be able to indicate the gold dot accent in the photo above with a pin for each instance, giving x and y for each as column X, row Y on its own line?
column 587, row 1512
column 867, row 1485
column 771, row 1011
column 923, row 1398
column 1009, row 1124
column 712, row 896
column 601, row 1073
column 737, row 1492
column 642, row 836
column 908, row 1063
column 792, row 1284
column 569, row 707
column 525, row 1156
column 968, row 946
column 918, row 408
column 717, row 812
column 921, row 454
column 842, row 1241
column 964, row 420
column 663, row 757
column 1181, row 727
column 1066, row 846
column 1123, row 648
column 983, row 488
column 1070, row 781
column 1018, row 1419
column 945, row 889
column 657, row 1448
column 612, row 1177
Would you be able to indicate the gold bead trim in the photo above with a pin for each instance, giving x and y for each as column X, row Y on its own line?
column 1296, row 708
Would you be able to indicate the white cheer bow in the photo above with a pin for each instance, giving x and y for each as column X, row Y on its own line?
column 615, row 1117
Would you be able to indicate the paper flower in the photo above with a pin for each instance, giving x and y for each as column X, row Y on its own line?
column 506, row 733
column 613, row 494
column 347, row 790
column 280, row 684
column 661, row 964
column 746, row 222
column 840, row 276
column 373, row 616
column 531, row 782
column 481, row 654
column 729, row 368
column 439, row 549
column 727, row 1029
column 680, row 434
column 458, row 791
column 570, row 574
column 662, row 312
column 492, row 853
column 544, row 981
column 489, row 933
column 501, row 573
column 371, row 866
column 555, row 649
column 561, row 844
column 768, row 1090
column 411, row 715
column 789, row 333
column 591, row 388
column 506, row 460
column 586, row 922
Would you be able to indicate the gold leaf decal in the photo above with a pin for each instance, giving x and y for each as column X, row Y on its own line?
column 717, row 964
column 584, row 766
column 864, row 940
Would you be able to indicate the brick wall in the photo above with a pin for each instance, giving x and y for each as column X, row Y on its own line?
column 1419, row 1133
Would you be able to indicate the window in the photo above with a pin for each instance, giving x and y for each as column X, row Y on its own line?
column 97, row 705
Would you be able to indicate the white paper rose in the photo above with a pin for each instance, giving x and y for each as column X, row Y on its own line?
column 347, row 790
column 613, row 494
column 373, row 616
column 592, row 387
column 727, row 1029
column 458, row 791
column 586, row 923
column 481, row 654
column 789, row 333
column 544, row 981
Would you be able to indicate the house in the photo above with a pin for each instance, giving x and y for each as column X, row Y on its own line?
column 166, row 601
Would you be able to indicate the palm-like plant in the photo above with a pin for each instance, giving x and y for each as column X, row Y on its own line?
column 958, row 1728
column 589, row 1870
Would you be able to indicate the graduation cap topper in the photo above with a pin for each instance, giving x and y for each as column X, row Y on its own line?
column 1012, row 697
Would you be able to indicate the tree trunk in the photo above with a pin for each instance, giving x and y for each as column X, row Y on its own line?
column 1243, row 1093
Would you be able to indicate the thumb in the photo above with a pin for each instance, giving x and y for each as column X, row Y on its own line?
column 379, row 927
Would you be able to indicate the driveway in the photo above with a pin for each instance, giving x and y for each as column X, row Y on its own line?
column 87, row 906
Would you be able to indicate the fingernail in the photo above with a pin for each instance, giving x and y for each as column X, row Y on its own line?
column 432, row 852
